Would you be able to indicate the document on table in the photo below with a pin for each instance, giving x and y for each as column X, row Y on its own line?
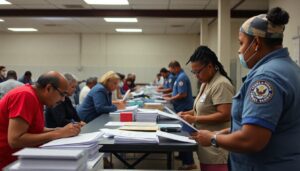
column 41, row 153
column 175, row 137
column 112, row 123
column 83, row 139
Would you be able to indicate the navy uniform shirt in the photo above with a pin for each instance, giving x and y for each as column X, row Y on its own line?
column 270, row 98
column 98, row 101
column 182, row 84
column 169, row 81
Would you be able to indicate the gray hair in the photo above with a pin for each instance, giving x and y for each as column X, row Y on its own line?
column 70, row 78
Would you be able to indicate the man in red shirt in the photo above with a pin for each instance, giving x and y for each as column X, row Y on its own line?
column 22, row 118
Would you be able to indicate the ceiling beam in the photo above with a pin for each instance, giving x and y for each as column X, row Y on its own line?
column 125, row 13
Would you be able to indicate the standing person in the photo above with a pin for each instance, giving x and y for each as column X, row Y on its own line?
column 212, row 106
column 99, row 99
column 10, row 83
column 265, row 130
column 169, row 80
column 22, row 118
column 182, row 100
column 26, row 78
column 64, row 113
column 90, row 83
column 2, row 73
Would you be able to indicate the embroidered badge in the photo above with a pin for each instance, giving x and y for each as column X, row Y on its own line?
column 261, row 92
column 180, row 83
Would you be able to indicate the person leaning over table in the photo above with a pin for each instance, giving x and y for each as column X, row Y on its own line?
column 212, row 105
column 265, row 130
column 64, row 113
column 22, row 118
column 169, row 80
column 99, row 99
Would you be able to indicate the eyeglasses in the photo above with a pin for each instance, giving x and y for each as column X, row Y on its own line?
column 198, row 72
column 62, row 94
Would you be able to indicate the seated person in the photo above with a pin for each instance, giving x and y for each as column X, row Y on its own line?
column 129, row 82
column 99, row 99
column 64, row 113
column 159, row 80
column 90, row 83
column 26, row 78
column 22, row 118
column 10, row 83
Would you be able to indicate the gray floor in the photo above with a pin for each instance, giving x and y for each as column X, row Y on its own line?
column 152, row 162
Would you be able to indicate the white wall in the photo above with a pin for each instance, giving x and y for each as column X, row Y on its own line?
column 236, row 71
column 96, row 53
column 291, row 30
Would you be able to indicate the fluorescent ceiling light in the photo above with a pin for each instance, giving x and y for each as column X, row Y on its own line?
column 121, row 20
column 131, row 30
column 1, row 20
column 22, row 29
column 4, row 2
column 107, row 2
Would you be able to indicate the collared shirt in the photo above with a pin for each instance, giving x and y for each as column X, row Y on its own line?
column 270, row 98
column 169, row 81
column 97, row 102
column 217, row 91
column 182, row 84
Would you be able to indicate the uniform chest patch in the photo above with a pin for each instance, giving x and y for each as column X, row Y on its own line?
column 261, row 92
column 170, row 80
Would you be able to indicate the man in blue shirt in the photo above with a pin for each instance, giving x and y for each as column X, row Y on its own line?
column 265, row 129
column 182, row 100
column 169, row 80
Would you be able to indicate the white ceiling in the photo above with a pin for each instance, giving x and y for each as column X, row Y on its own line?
column 98, row 25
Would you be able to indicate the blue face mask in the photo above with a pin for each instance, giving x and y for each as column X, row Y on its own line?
column 242, row 57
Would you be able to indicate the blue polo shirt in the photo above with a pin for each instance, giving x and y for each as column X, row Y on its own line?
column 182, row 84
column 270, row 98
column 98, row 101
column 169, row 81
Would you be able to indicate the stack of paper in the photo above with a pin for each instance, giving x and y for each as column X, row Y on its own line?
column 127, row 109
column 87, row 142
column 131, row 137
column 146, row 115
column 175, row 137
column 38, row 159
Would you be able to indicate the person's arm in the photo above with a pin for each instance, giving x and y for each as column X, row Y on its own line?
column 222, row 115
column 176, row 97
column 101, row 104
column 18, row 137
column 250, row 138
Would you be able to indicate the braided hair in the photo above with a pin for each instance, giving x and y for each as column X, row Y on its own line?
column 205, row 55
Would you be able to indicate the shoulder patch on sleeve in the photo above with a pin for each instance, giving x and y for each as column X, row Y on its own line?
column 261, row 92
column 180, row 83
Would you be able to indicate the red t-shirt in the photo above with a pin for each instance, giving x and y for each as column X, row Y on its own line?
column 20, row 102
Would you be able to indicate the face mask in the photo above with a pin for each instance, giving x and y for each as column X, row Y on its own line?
column 242, row 56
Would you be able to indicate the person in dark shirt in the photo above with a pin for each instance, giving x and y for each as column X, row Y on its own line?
column 64, row 113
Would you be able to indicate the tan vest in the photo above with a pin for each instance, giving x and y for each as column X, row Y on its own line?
column 218, row 91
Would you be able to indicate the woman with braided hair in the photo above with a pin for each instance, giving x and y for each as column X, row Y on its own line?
column 212, row 106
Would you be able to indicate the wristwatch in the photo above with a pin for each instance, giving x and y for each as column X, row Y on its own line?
column 213, row 141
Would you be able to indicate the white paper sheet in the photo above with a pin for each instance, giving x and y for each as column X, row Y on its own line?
column 175, row 137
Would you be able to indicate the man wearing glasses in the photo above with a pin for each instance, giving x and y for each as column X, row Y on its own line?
column 22, row 118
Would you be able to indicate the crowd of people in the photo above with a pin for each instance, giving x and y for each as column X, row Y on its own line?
column 255, row 129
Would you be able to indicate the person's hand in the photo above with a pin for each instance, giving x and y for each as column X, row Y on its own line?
column 121, row 105
column 70, row 130
column 203, row 137
column 189, row 118
column 82, row 123
column 167, row 98
column 182, row 113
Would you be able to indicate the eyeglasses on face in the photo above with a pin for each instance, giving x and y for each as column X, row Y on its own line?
column 199, row 71
column 62, row 94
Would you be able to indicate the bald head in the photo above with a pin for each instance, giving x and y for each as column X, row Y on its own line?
column 54, row 78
